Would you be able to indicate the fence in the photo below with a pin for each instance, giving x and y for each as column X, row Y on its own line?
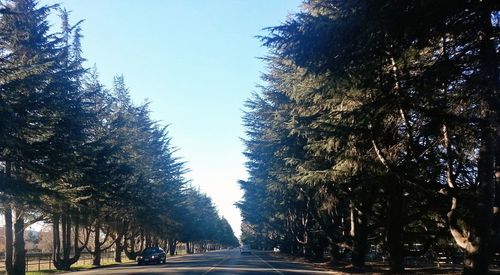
column 43, row 261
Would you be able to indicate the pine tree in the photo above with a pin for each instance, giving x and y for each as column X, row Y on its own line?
column 387, row 102
column 29, row 58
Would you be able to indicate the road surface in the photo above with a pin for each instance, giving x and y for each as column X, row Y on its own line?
column 213, row 263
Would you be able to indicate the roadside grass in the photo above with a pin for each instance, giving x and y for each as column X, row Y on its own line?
column 85, row 266
column 76, row 268
column 42, row 272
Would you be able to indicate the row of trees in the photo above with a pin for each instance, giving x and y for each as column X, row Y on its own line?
column 379, row 126
column 82, row 157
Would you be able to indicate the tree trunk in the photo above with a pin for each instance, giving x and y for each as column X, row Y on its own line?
column 478, row 249
column 142, row 242
column 490, row 61
column 475, row 237
column 164, row 245
column 56, row 244
column 9, row 235
column 132, row 242
column 9, row 240
column 19, row 245
column 62, row 225
column 149, row 243
column 496, row 206
column 119, row 248
column 359, row 236
column 97, row 244
column 76, row 242
column 172, row 246
column 338, row 236
column 66, row 236
column 394, row 227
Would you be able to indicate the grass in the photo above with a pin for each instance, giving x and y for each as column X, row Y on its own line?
column 46, row 268
column 42, row 272
column 75, row 268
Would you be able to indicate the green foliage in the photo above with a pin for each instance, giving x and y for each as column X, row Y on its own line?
column 375, row 129
column 83, row 157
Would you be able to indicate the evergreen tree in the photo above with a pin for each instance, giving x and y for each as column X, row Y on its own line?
column 390, row 112
column 29, row 57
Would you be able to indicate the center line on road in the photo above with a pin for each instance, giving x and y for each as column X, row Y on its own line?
column 268, row 264
column 217, row 264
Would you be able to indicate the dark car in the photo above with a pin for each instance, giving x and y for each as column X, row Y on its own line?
column 152, row 255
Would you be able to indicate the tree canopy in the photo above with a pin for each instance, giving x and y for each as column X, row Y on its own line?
column 377, row 132
column 84, row 157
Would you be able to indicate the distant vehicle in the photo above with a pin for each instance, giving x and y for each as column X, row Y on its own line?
column 152, row 255
column 245, row 249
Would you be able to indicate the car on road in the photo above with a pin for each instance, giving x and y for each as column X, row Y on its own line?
column 245, row 249
column 152, row 255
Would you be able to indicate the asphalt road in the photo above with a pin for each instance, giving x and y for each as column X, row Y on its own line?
column 217, row 262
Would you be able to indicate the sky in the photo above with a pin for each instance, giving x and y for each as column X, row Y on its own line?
column 196, row 61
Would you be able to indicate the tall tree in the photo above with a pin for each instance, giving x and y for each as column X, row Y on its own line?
column 407, row 110
column 29, row 56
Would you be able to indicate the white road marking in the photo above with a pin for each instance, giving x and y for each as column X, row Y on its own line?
column 268, row 264
column 217, row 264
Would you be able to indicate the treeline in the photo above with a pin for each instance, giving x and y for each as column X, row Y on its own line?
column 82, row 157
column 378, row 128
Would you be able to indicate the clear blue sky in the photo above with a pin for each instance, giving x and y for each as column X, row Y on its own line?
column 197, row 62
